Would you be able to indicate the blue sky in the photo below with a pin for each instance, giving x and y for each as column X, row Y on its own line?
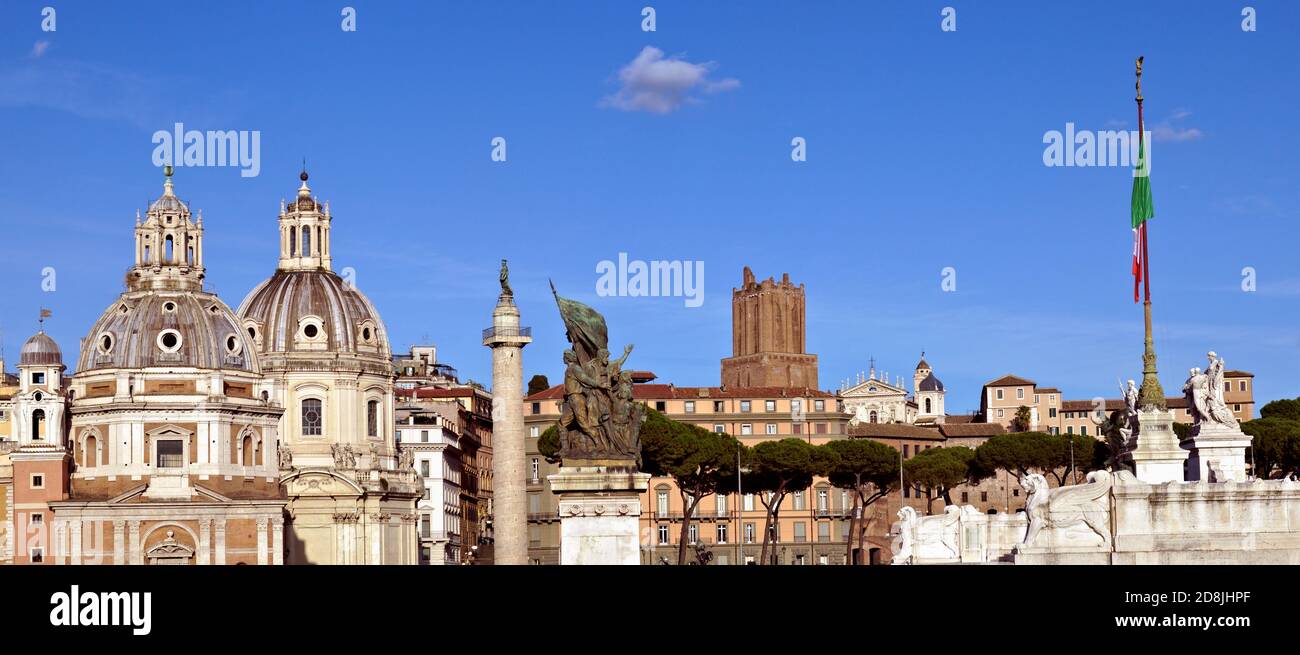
column 924, row 151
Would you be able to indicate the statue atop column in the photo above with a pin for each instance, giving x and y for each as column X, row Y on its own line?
column 505, row 280
column 600, row 421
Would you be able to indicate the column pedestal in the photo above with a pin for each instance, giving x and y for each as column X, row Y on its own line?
column 1158, row 456
column 600, row 514
column 1218, row 453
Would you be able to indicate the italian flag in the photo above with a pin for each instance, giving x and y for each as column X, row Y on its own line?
column 1142, row 210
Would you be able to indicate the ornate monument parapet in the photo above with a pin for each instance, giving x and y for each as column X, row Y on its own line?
column 598, row 484
column 1217, row 444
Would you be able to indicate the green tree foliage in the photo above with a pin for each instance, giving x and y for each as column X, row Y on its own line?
column 1275, row 445
column 1023, row 416
column 548, row 444
column 1284, row 409
column 778, row 468
column 938, row 470
column 701, row 462
column 1025, row 452
column 537, row 384
column 868, row 468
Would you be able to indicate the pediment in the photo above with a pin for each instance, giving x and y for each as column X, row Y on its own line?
column 318, row 482
column 872, row 388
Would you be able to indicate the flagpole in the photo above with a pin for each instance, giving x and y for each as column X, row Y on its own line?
column 1151, row 395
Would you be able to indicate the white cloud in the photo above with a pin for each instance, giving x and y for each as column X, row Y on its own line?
column 1169, row 132
column 38, row 50
column 659, row 84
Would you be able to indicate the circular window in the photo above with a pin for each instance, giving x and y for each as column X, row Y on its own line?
column 310, row 331
column 169, row 306
column 105, row 343
column 252, row 332
column 232, row 345
column 38, row 396
column 365, row 334
column 169, row 341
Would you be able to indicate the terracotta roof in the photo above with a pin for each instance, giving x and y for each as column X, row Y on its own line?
column 1009, row 381
column 1238, row 374
column 669, row 392
column 971, row 429
column 1047, row 390
column 1112, row 404
column 436, row 392
column 892, row 431
column 962, row 418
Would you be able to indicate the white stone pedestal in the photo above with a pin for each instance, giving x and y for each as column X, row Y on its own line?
column 600, row 514
column 1218, row 447
column 1158, row 456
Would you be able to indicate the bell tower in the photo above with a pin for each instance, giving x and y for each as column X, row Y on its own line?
column 41, row 464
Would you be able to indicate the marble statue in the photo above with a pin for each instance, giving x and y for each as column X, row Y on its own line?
column 286, row 458
column 1204, row 392
column 344, row 457
column 599, row 419
column 1064, row 507
column 903, row 543
column 406, row 459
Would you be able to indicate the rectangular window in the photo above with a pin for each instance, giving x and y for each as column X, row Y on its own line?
column 965, row 496
column 722, row 533
column 1051, row 413
column 749, row 502
column 37, row 555
column 746, row 428
column 661, row 405
column 800, row 534
column 721, row 504
column 690, row 407
column 37, row 519
column 663, row 534
column 663, row 504
column 1083, row 430
column 1000, row 413
column 38, row 481
column 424, row 468
column 824, row 531
column 1243, row 385
column 906, row 450
column 771, row 428
column 998, row 393
column 798, row 500
column 535, row 431
column 769, row 405
column 537, row 470
column 1069, row 429
column 819, row 405
column 311, row 417
column 821, row 428
column 907, row 492
column 534, row 503
column 823, row 500
column 744, row 405
column 1020, row 393
column 1035, row 399
column 372, row 418
column 1236, row 407
column 424, row 436
column 796, row 406
column 719, row 406
column 171, row 454
column 749, row 533
column 719, row 428
column 537, row 408
column 38, row 378
column 984, row 496
column 694, row 533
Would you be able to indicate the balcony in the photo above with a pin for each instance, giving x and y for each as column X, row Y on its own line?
column 543, row 517
column 507, row 333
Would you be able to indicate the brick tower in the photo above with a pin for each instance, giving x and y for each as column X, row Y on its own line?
column 768, row 341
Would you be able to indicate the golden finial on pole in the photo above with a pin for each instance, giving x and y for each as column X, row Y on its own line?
column 1139, row 79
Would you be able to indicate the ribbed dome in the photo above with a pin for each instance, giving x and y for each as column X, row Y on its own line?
column 285, row 305
column 167, row 329
column 930, row 383
column 168, row 203
column 40, row 350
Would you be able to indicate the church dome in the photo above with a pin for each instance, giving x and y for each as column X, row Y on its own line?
column 167, row 329
column 922, row 364
column 930, row 383
column 312, row 310
column 40, row 350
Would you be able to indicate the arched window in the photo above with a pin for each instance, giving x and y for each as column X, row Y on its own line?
column 372, row 418
column 873, row 416
column 306, row 242
column 311, row 417
column 293, row 241
column 248, row 450
column 168, row 251
column 38, row 425
column 146, row 254
column 91, row 456
column 927, row 405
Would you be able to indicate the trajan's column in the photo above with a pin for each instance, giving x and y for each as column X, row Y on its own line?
column 509, row 504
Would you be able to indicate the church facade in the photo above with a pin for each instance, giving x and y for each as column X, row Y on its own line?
column 873, row 399
column 192, row 435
